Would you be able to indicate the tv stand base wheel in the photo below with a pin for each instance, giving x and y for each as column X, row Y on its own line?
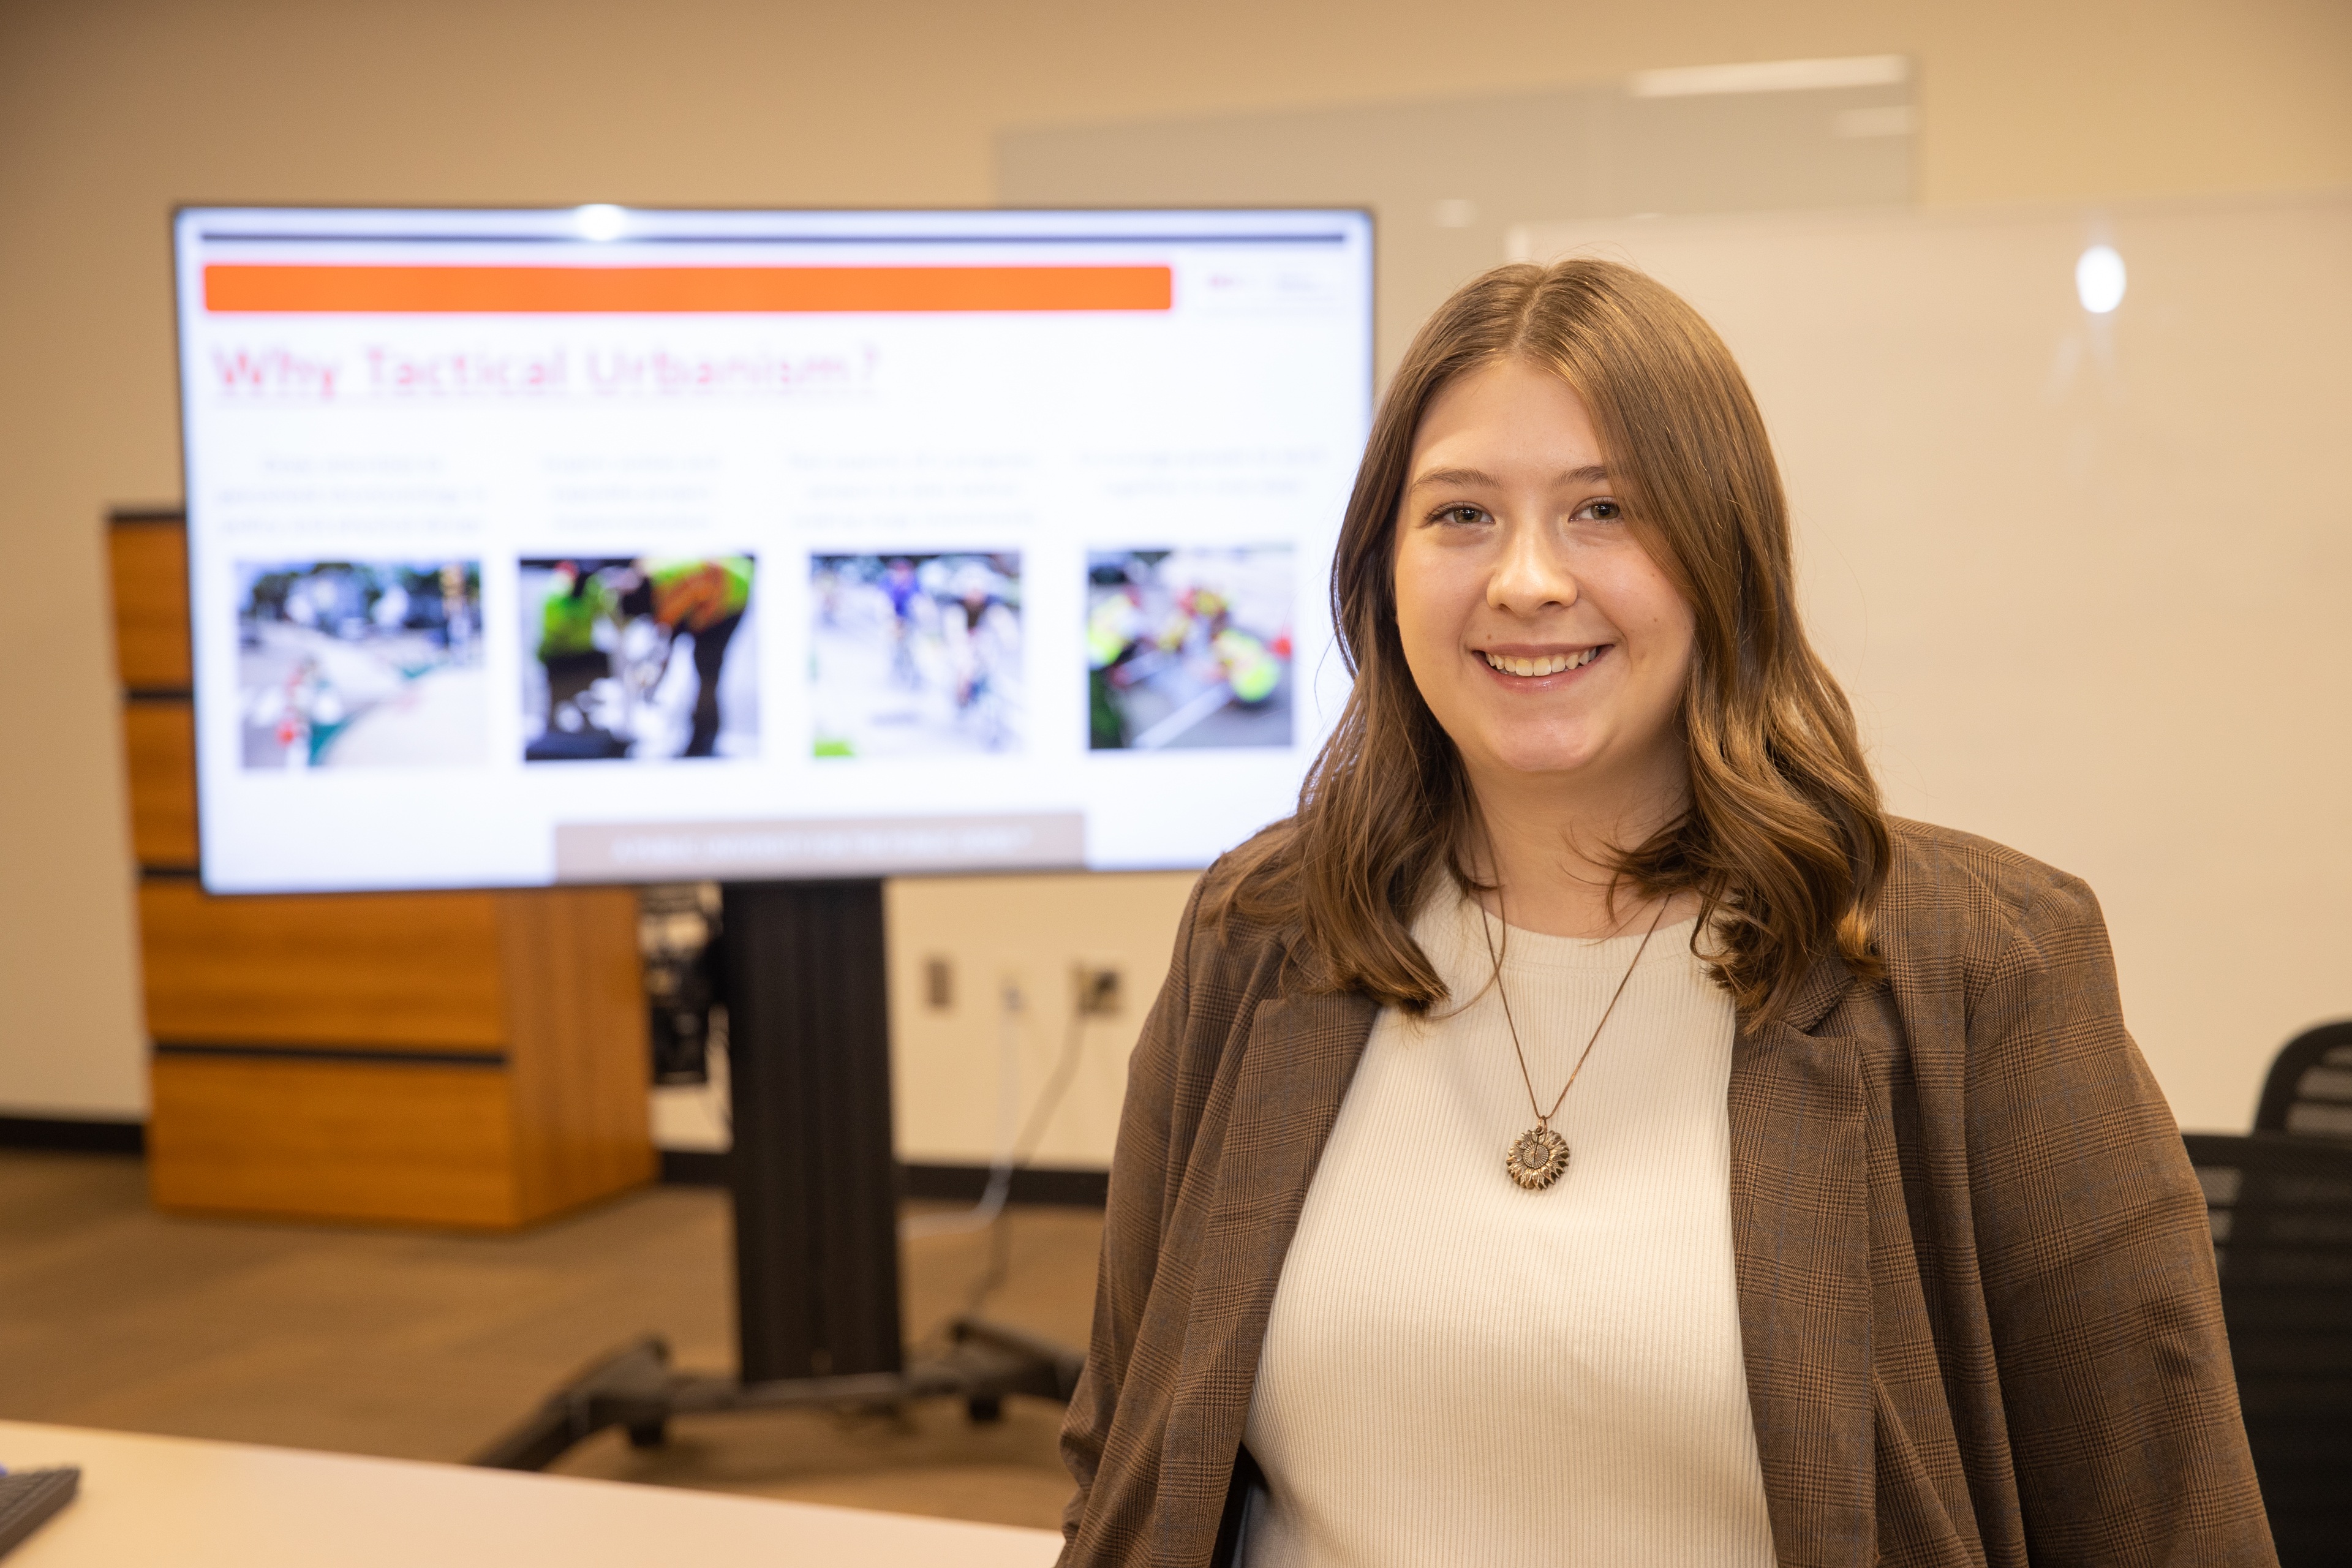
column 636, row 1389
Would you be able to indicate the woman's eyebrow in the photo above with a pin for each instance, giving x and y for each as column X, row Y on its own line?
column 1590, row 474
column 1453, row 477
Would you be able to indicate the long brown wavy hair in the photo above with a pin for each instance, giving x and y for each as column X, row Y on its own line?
column 1783, row 839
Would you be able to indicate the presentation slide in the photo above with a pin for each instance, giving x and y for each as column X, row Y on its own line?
column 592, row 545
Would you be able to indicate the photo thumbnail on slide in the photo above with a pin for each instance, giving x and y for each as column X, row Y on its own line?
column 1188, row 648
column 361, row 664
column 648, row 659
column 914, row 654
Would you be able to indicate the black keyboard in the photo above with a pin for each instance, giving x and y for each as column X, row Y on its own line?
column 29, row 1497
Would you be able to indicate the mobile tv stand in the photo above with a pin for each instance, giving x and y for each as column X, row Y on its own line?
column 816, row 1195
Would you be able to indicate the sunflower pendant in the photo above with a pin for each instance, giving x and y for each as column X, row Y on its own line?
column 1537, row 1158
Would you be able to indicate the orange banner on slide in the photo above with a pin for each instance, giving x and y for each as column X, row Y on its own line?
column 536, row 291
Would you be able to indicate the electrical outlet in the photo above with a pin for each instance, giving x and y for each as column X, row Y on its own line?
column 939, row 984
column 1097, row 987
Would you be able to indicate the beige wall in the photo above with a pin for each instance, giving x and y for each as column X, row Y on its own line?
column 950, row 1066
column 111, row 112
column 2083, row 576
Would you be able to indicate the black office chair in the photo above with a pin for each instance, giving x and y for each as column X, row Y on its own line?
column 2309, row 1091
column 2280, row 1207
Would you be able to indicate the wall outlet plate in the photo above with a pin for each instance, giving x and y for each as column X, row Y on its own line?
column 1097, row 987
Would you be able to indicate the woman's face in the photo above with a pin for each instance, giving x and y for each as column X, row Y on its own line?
column 1548, row 643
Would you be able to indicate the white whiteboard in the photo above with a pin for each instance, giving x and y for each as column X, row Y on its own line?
column 2088, row 578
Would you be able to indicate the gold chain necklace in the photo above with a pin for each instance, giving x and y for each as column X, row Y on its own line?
column 1539, row 1157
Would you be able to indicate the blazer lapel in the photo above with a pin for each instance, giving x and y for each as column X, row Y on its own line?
column 1801, row 1237
column 1295, row 1069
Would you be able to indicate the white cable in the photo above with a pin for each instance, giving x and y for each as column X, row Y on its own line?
column 982, row 1214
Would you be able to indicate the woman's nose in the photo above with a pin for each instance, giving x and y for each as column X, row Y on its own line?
column 1529, row 574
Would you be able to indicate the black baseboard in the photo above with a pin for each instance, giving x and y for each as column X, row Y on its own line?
column 73, row 1134
column 946, row 1183
column 680, row 1167
column 693, row 1168
column 1035, row 1184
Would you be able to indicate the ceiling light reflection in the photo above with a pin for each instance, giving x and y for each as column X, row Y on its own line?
column 2099, row 279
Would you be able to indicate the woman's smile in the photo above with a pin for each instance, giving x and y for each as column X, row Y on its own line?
column 1522, row 668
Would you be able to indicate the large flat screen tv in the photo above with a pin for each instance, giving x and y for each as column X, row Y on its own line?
column 592, row 545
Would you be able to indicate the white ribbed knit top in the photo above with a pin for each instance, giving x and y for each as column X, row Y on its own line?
column 1457, row 1371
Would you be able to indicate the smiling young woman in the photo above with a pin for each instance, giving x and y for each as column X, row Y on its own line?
column 1542, row 636
column 1590, row 1129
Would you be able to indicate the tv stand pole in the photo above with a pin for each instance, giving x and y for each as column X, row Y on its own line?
column 815, row 1183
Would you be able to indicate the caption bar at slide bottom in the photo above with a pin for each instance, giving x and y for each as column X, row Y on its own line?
column 818, row 847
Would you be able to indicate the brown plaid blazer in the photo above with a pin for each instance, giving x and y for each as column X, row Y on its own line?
column 1976, row 1283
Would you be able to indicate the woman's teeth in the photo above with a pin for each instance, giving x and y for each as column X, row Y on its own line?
column 1552, row 664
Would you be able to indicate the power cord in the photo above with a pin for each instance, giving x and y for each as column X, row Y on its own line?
column 1014, row 1150
column 1049, row 1098
column 1010, row 1005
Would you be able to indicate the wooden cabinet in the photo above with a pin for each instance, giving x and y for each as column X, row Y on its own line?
column 334, row 1139
column 472, row 1058
column 419, row 972
column 149, row 557
column 159, row 744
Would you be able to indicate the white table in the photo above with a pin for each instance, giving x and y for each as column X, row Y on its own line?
column 191, row 1504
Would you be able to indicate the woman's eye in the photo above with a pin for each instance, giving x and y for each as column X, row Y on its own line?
column 1601, row 512
column 1463, row 515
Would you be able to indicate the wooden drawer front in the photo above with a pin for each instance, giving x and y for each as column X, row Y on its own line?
column 160, row 741
column 332, row 1139
column 407, row 971
column 578, row 1051
column 150, row 562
